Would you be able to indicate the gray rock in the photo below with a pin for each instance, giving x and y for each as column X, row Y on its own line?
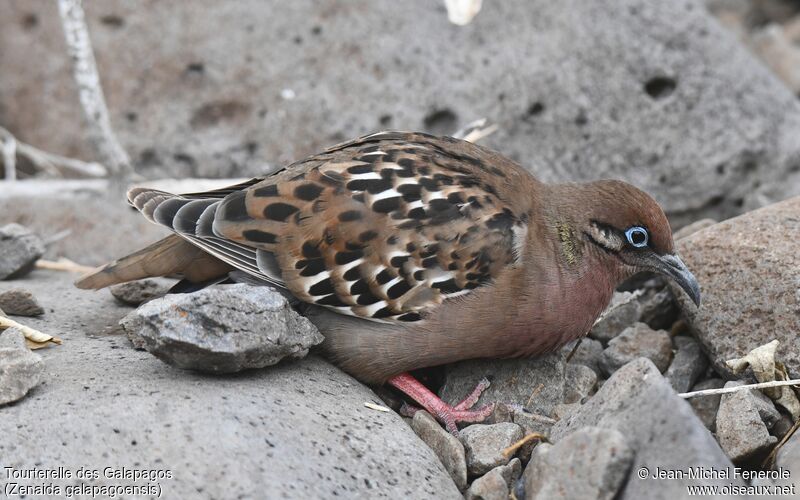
column 659, row 426
column 222, row 329
column 692, row 228
column 637, row 341
column 297, row 430
column 646, row 90
column 446, row 446
column 484, row 445
column 706, row 406
column 749, row 272
column 622, row 312
column 658, row 309
column 20, row 369
column 20, row 302
column 782, row 427
column 490, row 486
column 741, row 431
column 688, row 364
column 495, row 484
column 537, row 383
column 579, row 382
column 19, row 251
column 788, row 458
column 588, row 353
column 562, row 411
column 590, row 463
column 530, row 423
column 136, row 293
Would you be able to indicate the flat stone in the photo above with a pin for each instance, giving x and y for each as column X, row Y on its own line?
column 741, row 431
column 20, row 369
column 20, row 302
column 260, row 432
column 621, row 313
column 484, row 445
column 446, row 446
column 590, row 463
column 536, row 383
column 222, row 329
column 637, row 341
column 19, row 251
column 178, row 112
column 495, row 484
column 706, row 406
column 588, row 353
column 660, row 427
column 729, row 259
column 579, row 383
column 688, row 364
column 136, row 293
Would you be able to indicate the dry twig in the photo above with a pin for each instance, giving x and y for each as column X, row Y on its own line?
column 84, row 69
column 34, row 338
column 63, row 264
column 508, row 452
column 51, row 164
column 726, row 390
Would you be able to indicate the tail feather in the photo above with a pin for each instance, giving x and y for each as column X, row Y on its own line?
column 172, row 256
column 195, row 252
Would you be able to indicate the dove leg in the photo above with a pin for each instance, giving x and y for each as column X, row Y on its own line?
column 450, row 416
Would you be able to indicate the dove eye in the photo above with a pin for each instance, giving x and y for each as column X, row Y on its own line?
column 637, row 236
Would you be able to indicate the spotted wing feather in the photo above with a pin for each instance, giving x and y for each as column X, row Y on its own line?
column 385, row 227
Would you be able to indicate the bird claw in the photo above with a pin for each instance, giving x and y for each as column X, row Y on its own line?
column 448, row 415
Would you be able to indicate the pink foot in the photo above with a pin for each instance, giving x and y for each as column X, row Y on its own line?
column 446, row 414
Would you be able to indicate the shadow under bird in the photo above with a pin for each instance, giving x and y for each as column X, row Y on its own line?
column 419, row 251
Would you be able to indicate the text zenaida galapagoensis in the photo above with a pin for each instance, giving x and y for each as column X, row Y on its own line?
column 430, row 249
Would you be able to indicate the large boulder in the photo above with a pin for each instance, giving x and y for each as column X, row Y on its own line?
column 658, row 426
column 656, row 93
column 749, row 272
column 298, row 430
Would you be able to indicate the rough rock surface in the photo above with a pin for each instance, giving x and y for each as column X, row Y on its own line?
column 637, row 341
column 588, row 353
column 495, row 484
column 660, row 427
column 20, row 369
column 688, row 364
column 749, row 272
column 706, row 407
column 622, row 312
column 446, row 446
column 692, row 228
column 612, row 84
column 741, row 430
column 536, row 383
column 135, row 293
column 51, row 211
column 20, row 302
column 222, row 329
column 221, row 436
column 579, row 382
column 484, row 444
column 19, row 250
column 590, row 463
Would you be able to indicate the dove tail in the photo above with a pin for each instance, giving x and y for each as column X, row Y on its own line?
column 172, row 256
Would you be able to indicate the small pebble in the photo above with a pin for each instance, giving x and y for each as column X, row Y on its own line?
column 20, row 302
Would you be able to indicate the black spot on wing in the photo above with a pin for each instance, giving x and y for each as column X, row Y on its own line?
column 266, row 191
column 324, row 287
column 258, row 236
column 279, row 211
column 308, row 192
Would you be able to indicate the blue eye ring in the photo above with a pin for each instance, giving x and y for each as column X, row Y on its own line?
column 637, row 236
